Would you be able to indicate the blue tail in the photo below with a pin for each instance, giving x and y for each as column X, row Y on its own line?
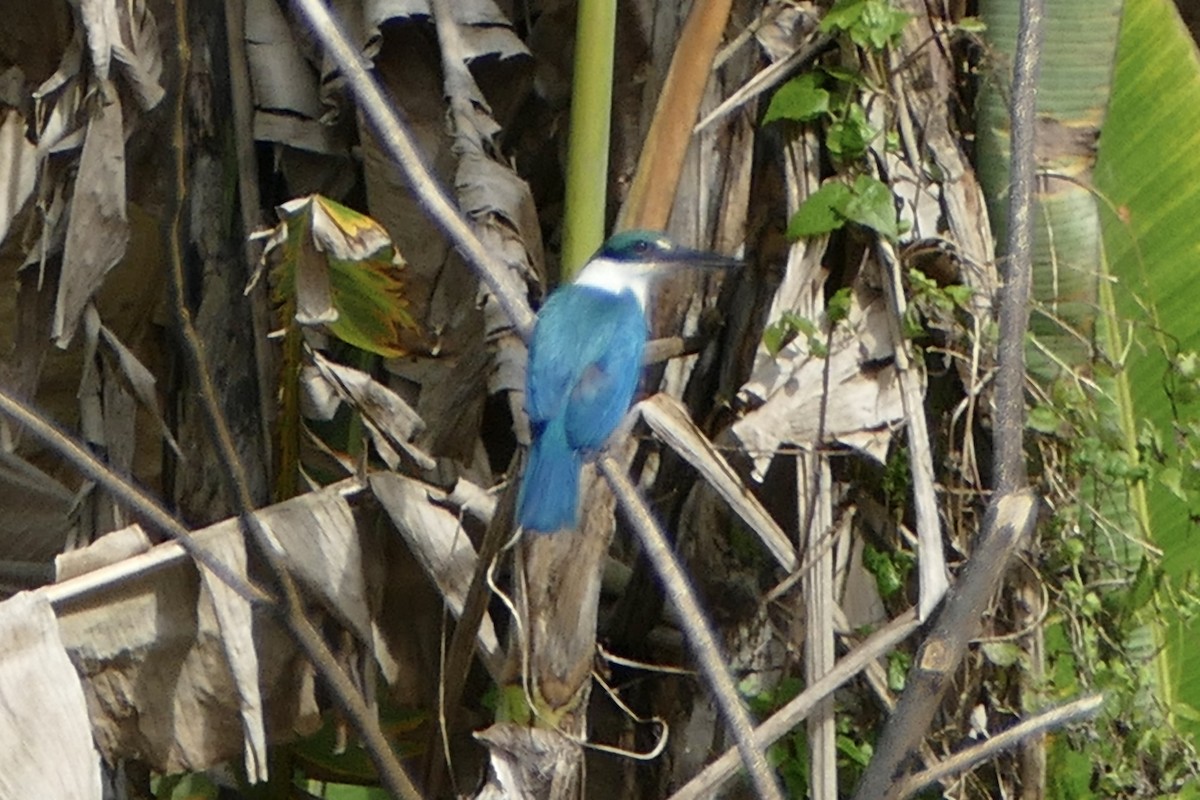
column 549, row 498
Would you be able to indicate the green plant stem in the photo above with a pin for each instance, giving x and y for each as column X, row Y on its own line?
column 587, row 141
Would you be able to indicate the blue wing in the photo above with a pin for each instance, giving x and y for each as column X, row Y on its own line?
column 584, row 362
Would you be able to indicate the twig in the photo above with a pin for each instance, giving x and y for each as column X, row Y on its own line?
column 695, row 628
column 1034, row 726
column 395, row 138
column 782, row 722
column 291, row 610
column 769, row 78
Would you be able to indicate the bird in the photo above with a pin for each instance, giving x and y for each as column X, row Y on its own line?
column 585, row 359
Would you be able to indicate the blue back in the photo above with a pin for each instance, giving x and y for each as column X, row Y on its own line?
column 584, row 362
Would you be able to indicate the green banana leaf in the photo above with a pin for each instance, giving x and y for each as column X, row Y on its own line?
column 1148, row 171
column 1110, row 341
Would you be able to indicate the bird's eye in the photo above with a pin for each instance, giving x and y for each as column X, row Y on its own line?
column 641, row 246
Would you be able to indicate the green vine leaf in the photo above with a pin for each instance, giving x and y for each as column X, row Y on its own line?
column 870, row 24
column 849, row 137
column 801, row 99
column 821, row 213
column 871, row 205
column 868, row 202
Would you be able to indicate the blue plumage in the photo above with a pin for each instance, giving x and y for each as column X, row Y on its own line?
column 584, row 364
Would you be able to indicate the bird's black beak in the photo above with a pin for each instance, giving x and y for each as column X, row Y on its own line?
column 683, row 258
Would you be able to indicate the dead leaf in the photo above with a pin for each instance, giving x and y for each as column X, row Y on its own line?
column 98, row 228
column 864, row 400
column 139, row 52
column 487, row 31
column 103, row 29
column 339, row 268
column 110, row 548
column 18, row 168
column 47, row 744
column 39, row 512
column 668, row 418
column 236, row 619
column 437, row 539
column 319, row 536
column 141, row 381
column 287, row 103
column 155, row 656
column 390, row 421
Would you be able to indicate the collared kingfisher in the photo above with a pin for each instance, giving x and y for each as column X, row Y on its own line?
column 584, row 363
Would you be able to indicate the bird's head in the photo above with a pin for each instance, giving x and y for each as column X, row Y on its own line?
column 629, row 260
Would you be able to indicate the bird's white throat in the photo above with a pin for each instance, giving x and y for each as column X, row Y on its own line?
column 616, row 277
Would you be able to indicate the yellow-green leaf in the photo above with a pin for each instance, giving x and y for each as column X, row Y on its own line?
column 338, row 268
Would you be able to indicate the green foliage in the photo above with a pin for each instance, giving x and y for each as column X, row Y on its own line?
column 789, row 755
column 188, row 786
column 870, row 24
column 927, row 301
column 897, row 477
column 890, row 568
column 783, row 331
column 973, row 25
column 899, row 663
column 850, row 135
column 855, row 748
column 838, row 307
column 868, row 202
column 1003, row 654
column 337, row 269
column 1068, row 771
column 324, row 756
column 801, row 99
column 512, row 705
column 1103, row 586
column 789, row 325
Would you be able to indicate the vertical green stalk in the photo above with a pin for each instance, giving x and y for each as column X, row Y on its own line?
column 591, row 113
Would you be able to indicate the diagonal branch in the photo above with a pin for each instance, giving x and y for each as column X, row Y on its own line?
column 695, row 627
column 717, row 774
column 127, row 494
column 1048, row 720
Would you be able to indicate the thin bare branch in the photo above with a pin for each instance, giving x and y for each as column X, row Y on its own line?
column 1038, row 725
column 137, row 502
column 720, row 772
column 695, row 627
column 1009, row 433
